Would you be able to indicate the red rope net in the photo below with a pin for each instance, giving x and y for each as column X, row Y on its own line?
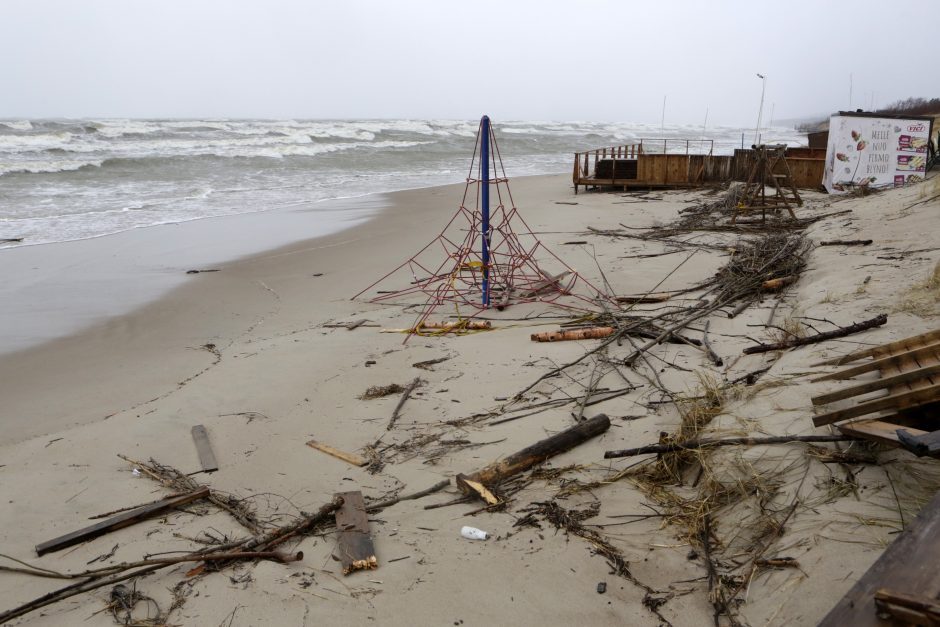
column 449, row 270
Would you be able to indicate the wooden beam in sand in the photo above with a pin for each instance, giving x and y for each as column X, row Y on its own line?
column 120, row 521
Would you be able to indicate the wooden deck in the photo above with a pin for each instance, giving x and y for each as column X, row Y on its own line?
column 681, row 163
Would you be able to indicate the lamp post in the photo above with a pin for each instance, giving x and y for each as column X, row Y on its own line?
column 760, row 111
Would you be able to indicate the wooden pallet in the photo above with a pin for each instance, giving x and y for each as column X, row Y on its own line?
column 901, row 407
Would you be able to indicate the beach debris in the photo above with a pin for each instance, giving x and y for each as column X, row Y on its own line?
column 437, row 487
column 590, row 333
column 202, row 271
column 204, row 449
column 11, row 240
column 548, row 282
column 712, row 355
column 401, row 402
column 443, row 328
column 370, row 362
column 426, row 365
column 352, row 458
column 378, row 391
column 793, row 342
column 846, row 242
column 691, row 445
column 355, row 325
column 354, row 544
column 901, row 583
column 602, row 587
column 119, row 522
column 563, row 202
column 535, row 454
column 472, row 533
column 643, row 298
column 575, row 242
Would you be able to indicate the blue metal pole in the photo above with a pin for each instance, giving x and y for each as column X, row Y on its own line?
column 485, row 204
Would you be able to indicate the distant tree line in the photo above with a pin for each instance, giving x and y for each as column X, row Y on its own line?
column 913, row 106
column 907, row 106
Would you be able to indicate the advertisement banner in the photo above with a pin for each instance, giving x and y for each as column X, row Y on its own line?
column 875, row 152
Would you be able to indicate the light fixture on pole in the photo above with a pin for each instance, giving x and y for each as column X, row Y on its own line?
column 760, row 111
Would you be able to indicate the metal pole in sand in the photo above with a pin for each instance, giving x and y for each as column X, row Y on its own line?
column 485, row 204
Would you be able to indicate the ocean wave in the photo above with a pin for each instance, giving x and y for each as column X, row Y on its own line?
column 17, row 125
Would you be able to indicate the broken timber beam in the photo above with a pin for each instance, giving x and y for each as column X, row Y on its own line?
column 535, row 454
column 908, row 343
column 356, row 551
column 120, row 521
column 877, row 321
column 880, row 363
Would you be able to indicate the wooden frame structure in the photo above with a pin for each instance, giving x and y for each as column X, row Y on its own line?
column 900, row 407
column 770, row 169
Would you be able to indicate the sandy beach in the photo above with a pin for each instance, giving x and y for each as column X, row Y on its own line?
column 256, row 353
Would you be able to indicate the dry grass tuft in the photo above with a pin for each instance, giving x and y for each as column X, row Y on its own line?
column 921, row 298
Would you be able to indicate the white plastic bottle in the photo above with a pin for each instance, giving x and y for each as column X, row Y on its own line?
column 472, row 533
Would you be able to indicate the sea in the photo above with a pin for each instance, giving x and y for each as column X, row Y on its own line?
column 65, row 179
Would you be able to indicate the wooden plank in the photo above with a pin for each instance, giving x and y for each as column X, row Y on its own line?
column 879, row 384
column 877, row 429
column 204, row 449
column 120, row 521
column 878, row 364
column 909, row 564
column 354, row 545
column 904, row 400
column 906, row 344
column 352, row 458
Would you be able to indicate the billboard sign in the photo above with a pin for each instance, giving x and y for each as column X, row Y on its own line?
column 875, row 152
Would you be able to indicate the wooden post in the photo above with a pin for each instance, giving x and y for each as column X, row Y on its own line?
column 537, row 453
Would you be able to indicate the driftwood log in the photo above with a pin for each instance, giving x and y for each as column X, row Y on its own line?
column 877, row 321
column 535, row 454
column 692, row 445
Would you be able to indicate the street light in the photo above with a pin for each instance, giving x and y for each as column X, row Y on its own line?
column 760, row 111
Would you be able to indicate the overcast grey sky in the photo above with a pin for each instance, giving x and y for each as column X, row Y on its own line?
column 538, row 60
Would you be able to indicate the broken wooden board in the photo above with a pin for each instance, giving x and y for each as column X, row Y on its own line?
column 204, row 449
column 354, row 545
column 352, row 458
column 120, row 521
column 908, row 566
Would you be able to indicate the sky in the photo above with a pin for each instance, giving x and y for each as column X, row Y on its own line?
column 513, row 59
